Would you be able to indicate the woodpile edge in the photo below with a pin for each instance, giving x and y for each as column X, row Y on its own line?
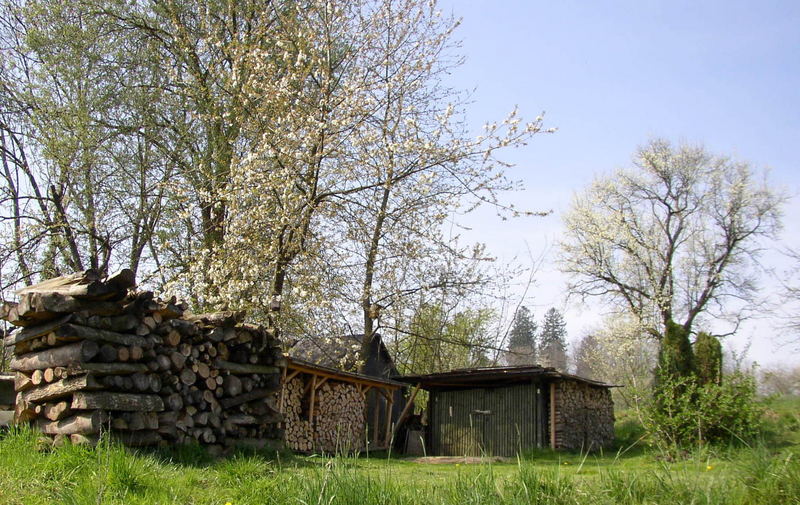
column 93, row 355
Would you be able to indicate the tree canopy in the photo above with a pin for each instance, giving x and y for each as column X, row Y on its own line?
column 675, row 238
column 237, row 154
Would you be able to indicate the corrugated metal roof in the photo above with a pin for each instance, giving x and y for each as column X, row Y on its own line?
column 492, row 376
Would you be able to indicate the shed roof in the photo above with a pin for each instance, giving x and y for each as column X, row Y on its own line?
column 492, row 376
column 340, row 352
column 337, row 374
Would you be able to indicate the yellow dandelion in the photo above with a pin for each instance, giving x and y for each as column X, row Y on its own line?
column 709, row 467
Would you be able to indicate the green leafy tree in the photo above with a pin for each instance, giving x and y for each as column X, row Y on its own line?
column 522, row 339
column 553, row 340
column 587, row 353
column 438, row 340
column 675, row 358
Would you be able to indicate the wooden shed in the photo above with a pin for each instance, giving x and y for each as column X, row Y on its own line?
column 7, row 399
column 330, row 410
column 342, row 353
column 503, row 411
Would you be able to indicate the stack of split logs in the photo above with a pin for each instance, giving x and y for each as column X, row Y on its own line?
column 92, row 355
column 333, row 423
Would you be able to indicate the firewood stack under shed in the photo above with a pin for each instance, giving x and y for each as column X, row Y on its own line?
column 91, row 355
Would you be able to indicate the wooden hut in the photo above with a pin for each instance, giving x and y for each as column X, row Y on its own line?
column 342, row 353
column 7, row 399
column 327, row 410
column 504, row 411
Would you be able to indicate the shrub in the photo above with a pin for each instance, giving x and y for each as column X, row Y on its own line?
column 689, row 413
column 675, row 361
column 708, row 358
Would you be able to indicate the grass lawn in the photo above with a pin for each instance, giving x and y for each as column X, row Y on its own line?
column 767, row 474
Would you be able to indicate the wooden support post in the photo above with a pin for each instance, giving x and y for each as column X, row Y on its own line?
column 389, row 432
column 320, row 382
column 283, row 389
column 284, row 381
column 406, row 410
column 376, row 420
column 313, row 398
column 552, row 415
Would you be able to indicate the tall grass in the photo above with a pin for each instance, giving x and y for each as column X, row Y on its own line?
column 111, row 474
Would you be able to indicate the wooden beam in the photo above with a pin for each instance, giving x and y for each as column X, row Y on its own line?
column 255, row 394
column 320, row 382
column 406, row 410
column 59, row 389
column 245, row 368
column 283, row 390
column 311, row 403
column 376, row 419
column 82, row 400
column 290, row 376
column 385, row 394
column 24, row 334
column 389, row 431
column 552, row 415
column 67, row 355
column 343, row 377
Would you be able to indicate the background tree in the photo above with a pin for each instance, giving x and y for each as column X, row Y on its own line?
column 779, row 380
column 522, row 339
column 673, row 239
column 553, row 340
column 82, row 183
column 238, row 153
column 443, row 341
column 623, row 354
column 790, row 298
column 586, row 355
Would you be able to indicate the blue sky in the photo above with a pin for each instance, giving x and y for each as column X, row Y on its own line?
column 612, row 74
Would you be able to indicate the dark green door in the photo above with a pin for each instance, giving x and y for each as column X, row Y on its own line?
column 487, row 421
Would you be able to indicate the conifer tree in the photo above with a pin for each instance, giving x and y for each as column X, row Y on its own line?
column 553, row 340
column 522, row 339
column 708, row 358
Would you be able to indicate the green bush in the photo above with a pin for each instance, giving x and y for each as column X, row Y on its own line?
column 689, row 413
column 675, row 357
column 708, row 358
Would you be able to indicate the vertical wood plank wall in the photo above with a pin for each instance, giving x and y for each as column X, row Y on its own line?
column 499, row 421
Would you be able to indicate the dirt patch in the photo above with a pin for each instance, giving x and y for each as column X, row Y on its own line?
column 468, row 460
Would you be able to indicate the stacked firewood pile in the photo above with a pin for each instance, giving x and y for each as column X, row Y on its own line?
column 584, row 416
column 337, row 423
column 93, row 355
column 340, row 418
column 297, row 428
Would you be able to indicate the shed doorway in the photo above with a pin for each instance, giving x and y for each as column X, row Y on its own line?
column 499, row 421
